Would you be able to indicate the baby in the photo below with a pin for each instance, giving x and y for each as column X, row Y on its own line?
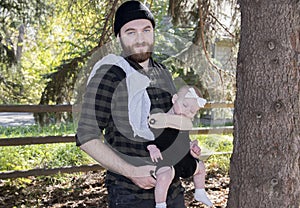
column 172, row 151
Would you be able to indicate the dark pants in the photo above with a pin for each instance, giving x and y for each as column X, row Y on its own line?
column 129, row 200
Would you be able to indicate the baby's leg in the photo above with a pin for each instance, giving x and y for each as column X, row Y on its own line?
column 199, row 176
column 164, row 177
column 199, row 183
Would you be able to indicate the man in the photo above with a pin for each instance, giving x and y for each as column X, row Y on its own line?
column 120, row 92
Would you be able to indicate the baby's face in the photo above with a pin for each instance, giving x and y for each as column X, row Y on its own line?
column 186, row 106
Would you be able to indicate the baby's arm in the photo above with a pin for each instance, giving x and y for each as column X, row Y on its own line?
column 155, row 153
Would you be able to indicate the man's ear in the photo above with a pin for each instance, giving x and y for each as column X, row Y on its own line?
column 174, row 98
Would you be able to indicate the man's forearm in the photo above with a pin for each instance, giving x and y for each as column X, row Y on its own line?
column 111, row 161
column 106, row 157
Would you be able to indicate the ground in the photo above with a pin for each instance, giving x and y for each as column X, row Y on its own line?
column 87, row 190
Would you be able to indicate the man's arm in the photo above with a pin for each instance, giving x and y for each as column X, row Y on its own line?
column 111, row 161
column 94, row 117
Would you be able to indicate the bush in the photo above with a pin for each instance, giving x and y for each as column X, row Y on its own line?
column 41, row 155
column 67, row 154
column 213, row 144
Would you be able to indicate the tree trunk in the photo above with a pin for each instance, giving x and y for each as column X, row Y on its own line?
column 20, row 43
column 264, row 168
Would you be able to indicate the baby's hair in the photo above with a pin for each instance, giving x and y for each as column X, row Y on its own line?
column 185, row 88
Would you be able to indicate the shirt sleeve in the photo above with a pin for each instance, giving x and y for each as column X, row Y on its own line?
column 96, row 107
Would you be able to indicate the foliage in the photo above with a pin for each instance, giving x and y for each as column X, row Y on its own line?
column 82, row 30
column 67, row 154
column 36, row 130
column 201, row 25
column 59, row 37
column 216, row 142
column 53, row 41
column 42, row 156
column 219, row 164
column 213, row 144
column 15, row 18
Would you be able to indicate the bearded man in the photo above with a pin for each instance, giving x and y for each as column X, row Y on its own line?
column 121, row 93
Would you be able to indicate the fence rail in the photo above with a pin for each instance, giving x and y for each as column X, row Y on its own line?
column 36, row 108
column 69, row 108
column 16, row 141
column 48, row 171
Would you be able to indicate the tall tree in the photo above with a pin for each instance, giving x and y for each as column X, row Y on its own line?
column 264, row 169
column 15, row 16
column 196, row 63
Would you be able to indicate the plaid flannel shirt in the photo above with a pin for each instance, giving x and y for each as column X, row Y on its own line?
column 105, row 111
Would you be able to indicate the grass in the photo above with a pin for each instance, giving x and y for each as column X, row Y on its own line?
column 36, row 130
column 67, row 154
column 41, row 155
column 216, row 143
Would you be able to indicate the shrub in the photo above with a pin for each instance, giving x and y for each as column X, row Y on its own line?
column 41, row 155
column 213, row 144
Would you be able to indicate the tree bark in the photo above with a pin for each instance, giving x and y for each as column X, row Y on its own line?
column 264, row 168
column 20, row 43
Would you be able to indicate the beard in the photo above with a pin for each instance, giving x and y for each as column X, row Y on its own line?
column 138, row 56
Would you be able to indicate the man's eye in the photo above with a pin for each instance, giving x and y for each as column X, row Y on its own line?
column 130, row 33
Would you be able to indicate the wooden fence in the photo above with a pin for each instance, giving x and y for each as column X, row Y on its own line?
column 71, row 138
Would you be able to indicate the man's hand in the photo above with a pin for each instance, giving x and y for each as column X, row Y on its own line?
column 155, row 153
column 110, row 160
column 141, row 177
column 195, row 150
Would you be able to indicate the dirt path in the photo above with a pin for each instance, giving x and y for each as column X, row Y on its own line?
column 87, row 190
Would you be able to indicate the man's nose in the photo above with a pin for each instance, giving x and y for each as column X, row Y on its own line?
column 139, row 37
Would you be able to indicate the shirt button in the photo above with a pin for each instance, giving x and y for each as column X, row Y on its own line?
column 152, row 121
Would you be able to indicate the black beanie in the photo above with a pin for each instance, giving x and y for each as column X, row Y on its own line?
column 131, row 10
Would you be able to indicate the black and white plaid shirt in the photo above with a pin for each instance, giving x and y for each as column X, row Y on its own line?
column 105, row 112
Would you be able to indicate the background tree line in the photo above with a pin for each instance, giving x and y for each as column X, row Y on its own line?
column 45, row 44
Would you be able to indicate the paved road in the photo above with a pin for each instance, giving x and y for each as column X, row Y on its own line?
column 16, row 119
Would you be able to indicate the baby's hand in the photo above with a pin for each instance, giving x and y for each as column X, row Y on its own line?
column 195, row 150
column 155, row 153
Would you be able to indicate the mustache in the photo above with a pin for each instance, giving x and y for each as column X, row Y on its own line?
column 141, row 44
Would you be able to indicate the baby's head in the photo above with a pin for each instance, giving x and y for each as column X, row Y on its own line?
column 187, row 101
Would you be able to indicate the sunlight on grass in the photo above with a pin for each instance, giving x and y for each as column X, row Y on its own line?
column 36, row 130
column 41, row 155
column 212, row 144
column 67, row 154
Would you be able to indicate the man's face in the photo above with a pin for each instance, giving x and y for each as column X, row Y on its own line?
column 137, row 39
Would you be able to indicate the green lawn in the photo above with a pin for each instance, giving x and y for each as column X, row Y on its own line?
column 67, row 154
